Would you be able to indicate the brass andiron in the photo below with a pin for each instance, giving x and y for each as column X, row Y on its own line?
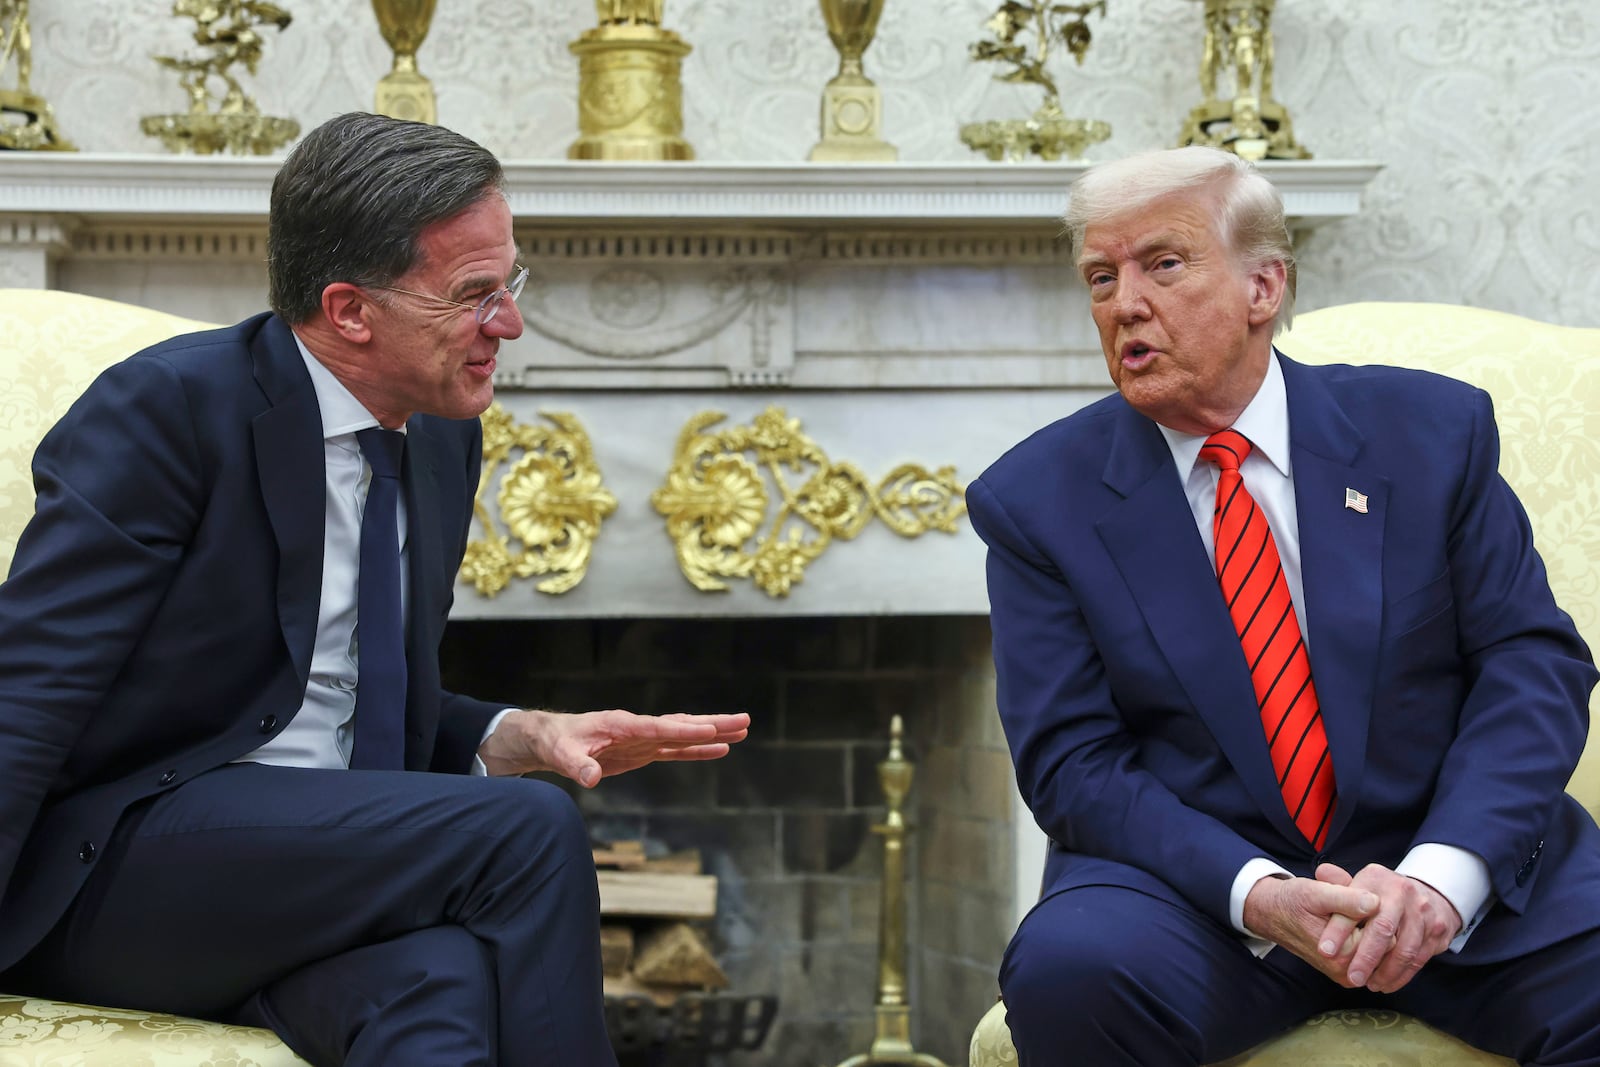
column 892, row 1044
column 852, row 106
column 1252, row 124
column 1047, row 133
column 26, row 121
column 227, row 30
column 404, row 93
column 630, row 89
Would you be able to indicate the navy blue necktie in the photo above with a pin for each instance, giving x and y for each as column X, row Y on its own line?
column 380, row 741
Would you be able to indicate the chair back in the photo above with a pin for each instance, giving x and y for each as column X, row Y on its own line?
column 52, row 345
column 1545, row 382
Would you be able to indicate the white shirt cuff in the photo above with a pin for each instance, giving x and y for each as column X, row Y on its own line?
column 1461, row 877
column 1251, row 873
column 478, row 769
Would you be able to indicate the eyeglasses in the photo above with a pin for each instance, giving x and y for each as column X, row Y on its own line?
column 484, row 309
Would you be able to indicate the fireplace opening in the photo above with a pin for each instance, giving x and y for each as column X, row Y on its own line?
column 784, row 823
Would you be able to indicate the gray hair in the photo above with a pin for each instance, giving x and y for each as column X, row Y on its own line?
column 1246, row 207
column 350, row 202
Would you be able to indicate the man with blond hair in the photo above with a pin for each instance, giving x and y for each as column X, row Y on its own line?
column 1281, row 674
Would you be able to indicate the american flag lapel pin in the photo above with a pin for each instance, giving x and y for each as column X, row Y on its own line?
column 1355, row 501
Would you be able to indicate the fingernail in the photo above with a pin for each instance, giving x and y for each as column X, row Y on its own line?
column 1327, row 948
column 1368, row 901
column 1358, row 977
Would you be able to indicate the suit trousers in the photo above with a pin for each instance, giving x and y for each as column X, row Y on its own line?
column 369, row 917
column 1105, row 975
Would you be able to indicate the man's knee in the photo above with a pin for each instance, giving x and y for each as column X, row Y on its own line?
column 539, row 825
column 1064, row 982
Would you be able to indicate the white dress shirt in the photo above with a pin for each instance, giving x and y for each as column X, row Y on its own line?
column 323, row 730
column 1461, row 877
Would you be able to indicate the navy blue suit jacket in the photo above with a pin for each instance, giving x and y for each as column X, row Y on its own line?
column 162, row 605
column 1454, row 690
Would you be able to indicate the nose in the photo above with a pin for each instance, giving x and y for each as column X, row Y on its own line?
column 507, row 321
column 1129, row 301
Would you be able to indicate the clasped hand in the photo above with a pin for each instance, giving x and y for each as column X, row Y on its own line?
column 1374, row 929
column 598, row 744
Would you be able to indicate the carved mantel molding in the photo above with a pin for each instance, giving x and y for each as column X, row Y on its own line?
column 123, row 187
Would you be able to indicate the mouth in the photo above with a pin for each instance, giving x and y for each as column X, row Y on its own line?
column 482, row 368
column 1136, row 355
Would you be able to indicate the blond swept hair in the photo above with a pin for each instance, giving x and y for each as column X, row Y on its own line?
column 1246, row 207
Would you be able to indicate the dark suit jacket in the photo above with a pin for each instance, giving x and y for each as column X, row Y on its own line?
column 1454, row 691
column 162, row 606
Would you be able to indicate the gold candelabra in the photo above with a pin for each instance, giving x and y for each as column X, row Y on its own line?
column 36, row 130
column 1048, row 132
column 404, row 93
column 892, row 1043
column 630, row 90
column 1253, row 125
column 852, row 106
column 228, row 32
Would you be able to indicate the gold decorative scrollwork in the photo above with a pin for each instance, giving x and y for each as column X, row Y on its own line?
column 715, row 499
column 552, row 500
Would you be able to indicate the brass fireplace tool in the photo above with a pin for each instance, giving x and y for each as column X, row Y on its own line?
column 892, row 1045
column 404, row 93
column 228, row 32
column 1252, row 124
column 26, row 121
column 1047, row 133
column 630, row 89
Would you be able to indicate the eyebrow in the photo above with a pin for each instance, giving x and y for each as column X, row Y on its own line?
column 477, row 283
column 1161, row 240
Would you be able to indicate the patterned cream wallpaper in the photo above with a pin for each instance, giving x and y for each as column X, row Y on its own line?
column 1486, row 114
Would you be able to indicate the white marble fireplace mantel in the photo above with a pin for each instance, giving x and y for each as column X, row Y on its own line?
column 919, row 313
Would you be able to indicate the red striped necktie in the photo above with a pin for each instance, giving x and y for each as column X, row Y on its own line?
column 1251, row 577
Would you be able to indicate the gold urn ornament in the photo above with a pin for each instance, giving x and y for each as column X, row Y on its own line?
column 630, row 90
column 1251, row 124
column 852, row 106
column 404, row 93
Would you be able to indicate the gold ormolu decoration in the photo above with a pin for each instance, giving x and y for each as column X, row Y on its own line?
column 551, row 500
column 404, row 93
column 1047, row 133
column 36, row 132
column 630, row 95
column 852, row 106
column 892, row 1043
column 715, row 500
column 1252, row 125
column 227, row 29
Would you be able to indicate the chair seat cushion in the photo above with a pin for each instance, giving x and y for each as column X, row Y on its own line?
column 50, row 1033
column 1333, row 1039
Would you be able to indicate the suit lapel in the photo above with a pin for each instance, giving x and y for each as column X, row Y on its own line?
column 1151, row 537
column 1341, row 550
column 290, row 465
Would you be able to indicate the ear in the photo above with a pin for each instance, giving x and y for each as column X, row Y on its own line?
column 1267, row 284
column 348, row 310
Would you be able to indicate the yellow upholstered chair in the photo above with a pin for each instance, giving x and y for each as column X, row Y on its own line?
column 52, row 344
column 1545, row 381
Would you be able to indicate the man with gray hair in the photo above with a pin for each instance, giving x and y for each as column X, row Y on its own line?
column 219, row 677
column 1281, row 674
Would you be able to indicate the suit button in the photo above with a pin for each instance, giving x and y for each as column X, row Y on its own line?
column 168, row 778
column 86, row 852
column 268, row 723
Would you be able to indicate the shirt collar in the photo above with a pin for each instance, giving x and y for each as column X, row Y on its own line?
column 342, row 413
column 1265, row 421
